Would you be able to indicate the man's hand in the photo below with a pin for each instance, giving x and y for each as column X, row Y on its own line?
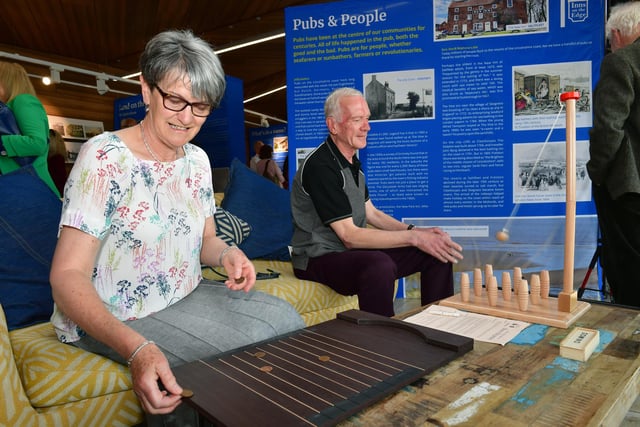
column 438, row 243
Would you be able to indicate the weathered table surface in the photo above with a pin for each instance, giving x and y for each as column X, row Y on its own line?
column 526, row 382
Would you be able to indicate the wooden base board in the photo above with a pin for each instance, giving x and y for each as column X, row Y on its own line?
column 317, row 376
column 545, row 313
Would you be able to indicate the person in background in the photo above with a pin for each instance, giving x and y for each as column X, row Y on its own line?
column 332, row 241
column 614, row 153
column 32, row 143
column 268, row 168
column 57, row 159
column 256, row 157
column 136, row 225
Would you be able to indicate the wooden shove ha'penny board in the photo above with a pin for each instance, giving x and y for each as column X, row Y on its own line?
column 317, row 376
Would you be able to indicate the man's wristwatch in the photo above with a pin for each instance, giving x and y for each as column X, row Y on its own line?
column 411, row 227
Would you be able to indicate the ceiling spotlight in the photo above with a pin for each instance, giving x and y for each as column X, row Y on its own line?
column 101, row 85
column 53, row 77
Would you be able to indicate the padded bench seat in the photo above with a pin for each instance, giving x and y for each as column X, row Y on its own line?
column 314, row 301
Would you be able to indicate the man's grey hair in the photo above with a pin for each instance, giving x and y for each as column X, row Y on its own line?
column 332, row 106
column 624, row 17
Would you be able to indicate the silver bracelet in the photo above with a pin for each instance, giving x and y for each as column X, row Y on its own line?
column 137, row 350
column 224, row 252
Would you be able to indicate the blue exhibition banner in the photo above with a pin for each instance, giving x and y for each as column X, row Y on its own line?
column 467, row 129
column 223, row 135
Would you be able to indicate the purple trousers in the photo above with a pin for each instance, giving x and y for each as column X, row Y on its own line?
column 371, row 274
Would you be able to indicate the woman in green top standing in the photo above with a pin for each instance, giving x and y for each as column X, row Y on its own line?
column 18, row 93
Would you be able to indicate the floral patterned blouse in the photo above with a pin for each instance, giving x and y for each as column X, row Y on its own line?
column 149, row 217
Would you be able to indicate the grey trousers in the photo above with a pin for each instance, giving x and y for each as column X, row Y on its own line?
column 210, row 321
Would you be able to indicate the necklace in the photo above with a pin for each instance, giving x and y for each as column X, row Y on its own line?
column 146, row 144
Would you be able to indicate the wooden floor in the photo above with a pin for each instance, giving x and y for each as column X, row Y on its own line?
column 633, row 416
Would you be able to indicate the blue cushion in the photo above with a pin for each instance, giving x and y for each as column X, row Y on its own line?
column 265, row 206
column 29, row 218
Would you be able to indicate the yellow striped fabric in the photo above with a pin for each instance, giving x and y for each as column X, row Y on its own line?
column 67, row 386
column 314, row 301
column 54, row 373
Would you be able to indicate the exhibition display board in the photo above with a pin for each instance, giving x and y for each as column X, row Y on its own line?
column 467, row 129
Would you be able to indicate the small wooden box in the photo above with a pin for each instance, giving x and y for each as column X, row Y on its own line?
column 580, row 344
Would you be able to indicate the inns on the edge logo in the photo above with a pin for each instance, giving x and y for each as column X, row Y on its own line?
column 578, row 10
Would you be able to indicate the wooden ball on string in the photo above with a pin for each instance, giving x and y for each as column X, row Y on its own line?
column 502, row 235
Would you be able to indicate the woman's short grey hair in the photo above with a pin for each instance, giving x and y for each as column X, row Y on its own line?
column 178, row 53
column 332, row 107
column 624, row 17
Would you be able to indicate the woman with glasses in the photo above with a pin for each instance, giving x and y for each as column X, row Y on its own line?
column 136, row 225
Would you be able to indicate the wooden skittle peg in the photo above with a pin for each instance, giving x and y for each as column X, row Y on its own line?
column 492, row 291
column 506, row 286
column 535, row 289
column 517, row 279
column 477, row 282
column 488, row 272
column 523, row 296
column 464, row 287
column 545, row 284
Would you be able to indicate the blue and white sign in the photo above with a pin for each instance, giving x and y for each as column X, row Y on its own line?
column 467, row 129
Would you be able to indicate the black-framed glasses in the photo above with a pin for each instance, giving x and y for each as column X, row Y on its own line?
column 176, row 103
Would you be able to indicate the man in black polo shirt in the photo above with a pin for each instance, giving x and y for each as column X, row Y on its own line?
column 331, row 210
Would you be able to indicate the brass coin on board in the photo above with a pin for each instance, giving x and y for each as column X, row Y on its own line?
column 266, row 369
column 260, row 354
column 324, row 358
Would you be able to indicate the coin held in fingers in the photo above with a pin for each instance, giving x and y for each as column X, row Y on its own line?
column 186, row 392
column 239, row 280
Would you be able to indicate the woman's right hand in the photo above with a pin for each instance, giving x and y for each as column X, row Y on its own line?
column 149, row 370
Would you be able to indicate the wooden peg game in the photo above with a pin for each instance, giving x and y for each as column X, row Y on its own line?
column 528, row 301
column 535, row 305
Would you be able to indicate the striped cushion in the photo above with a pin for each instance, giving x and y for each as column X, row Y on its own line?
column 112, row 409
column 230, row 228
column 54, row 373
column 14, row 405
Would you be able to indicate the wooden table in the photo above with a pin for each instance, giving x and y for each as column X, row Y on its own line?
column 526, row 383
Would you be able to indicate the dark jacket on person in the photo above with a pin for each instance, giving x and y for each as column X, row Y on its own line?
column 615, row 137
